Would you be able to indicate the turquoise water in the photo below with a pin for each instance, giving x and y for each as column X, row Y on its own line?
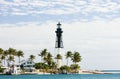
column 73, row 76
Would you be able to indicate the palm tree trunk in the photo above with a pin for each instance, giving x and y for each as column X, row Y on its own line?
column 19, row 62
column 57, row 62
column 75, row 69
column 41, row 59
column 8, row 64
column 4, row 62
column 67, row 62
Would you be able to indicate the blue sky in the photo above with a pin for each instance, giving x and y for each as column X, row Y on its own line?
column 68, row 10
column 91, row 26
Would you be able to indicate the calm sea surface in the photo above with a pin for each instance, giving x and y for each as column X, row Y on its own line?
column 73, row 76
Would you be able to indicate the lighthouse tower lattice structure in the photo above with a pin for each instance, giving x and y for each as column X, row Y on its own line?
column 59, row 42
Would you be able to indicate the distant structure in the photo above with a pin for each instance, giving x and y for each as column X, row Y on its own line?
column 27, row 65
column 59, row 42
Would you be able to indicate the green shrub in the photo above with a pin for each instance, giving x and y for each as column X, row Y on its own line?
column 65, row 68
column 1, row 70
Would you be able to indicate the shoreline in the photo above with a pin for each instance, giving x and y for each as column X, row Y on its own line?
column 80, row 72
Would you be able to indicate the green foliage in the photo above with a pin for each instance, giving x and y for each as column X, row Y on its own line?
column 76, row 57
column 74, row 67
column 31, row 57
column 41, row 66
column 9, row 55
column 11, row 58
column 43, row 53
column 1, row 51
column 1, row 70
column 20, row 53
column 48, row 64
column 2, row 57
column 38, row 65
column 69, row 54
column 58, row 56
column 53, row 65
column 65, row 68
column 12, row 51
column 48, row 59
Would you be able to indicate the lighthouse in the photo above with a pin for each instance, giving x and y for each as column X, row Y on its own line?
column 59, row 43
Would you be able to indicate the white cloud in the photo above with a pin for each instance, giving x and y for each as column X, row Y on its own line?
column 18, row 13
column 59, row 7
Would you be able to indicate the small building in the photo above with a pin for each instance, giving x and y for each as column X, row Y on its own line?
column 13, row 69
column 27, row 65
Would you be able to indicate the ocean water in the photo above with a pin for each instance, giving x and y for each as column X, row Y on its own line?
column 111, row 71
column 60, row 76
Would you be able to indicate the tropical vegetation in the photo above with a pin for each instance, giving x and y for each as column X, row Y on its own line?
column 48, row 62
column 68, row 55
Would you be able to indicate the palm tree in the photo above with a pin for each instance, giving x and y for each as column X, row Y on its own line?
column 58, row 57
column 6, row 56
column 40, row 55
column 11, row 58
column 43, row 54
column 64, row 69
column 75, row 67
column 20, row 54
column 68, row 55
column 1, row 53
column 3, row 58
column 49, row 59
column 76, row 57
column 11, row 53
column 53, row 65
column 31, row 57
